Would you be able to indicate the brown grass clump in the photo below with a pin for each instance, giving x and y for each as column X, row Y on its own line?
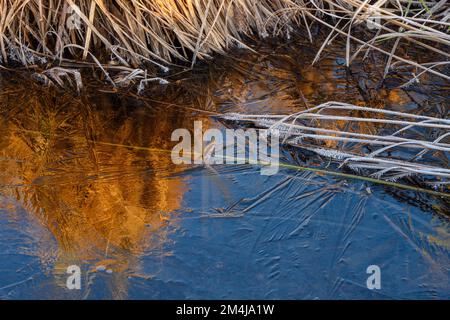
column 133, row 33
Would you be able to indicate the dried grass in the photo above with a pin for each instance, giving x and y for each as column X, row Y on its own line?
column 159, row 32
column 395, row 152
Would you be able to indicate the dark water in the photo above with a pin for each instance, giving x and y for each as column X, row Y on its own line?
column 88, row 180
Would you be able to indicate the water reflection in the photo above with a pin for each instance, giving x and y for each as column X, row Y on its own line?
column 95, row 172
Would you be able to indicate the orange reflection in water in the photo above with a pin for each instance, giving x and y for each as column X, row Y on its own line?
column 96, row 174
column 95, row 171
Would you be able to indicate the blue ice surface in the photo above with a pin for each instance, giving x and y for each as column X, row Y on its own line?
column 295, row 235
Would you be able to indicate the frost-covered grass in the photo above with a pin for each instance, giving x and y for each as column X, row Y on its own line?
column 312, row 129
column 131, row 33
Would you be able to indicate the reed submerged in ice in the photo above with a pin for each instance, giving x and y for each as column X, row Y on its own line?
column 250, row 146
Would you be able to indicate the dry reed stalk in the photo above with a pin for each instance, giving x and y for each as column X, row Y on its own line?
column 136, row 32
column 310, row 130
